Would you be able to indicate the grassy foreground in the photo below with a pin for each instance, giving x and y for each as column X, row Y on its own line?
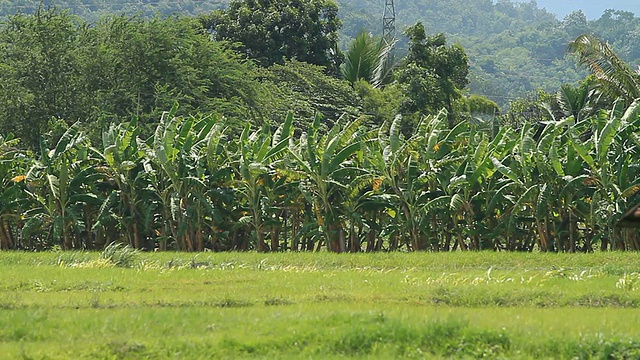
column 319, row 306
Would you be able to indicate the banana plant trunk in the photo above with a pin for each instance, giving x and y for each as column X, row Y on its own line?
column 6, row 242
column 274, row 235
column 543, row 235
column 199, row 238
column 261, row 246
column 573, row 225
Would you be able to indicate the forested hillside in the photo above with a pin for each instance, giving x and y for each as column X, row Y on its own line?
column 514, row 48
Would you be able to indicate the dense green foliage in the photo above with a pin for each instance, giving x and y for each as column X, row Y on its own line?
column 273, row 31
column 287, row 157
column 514, row 47
column 434, row 74
column 124, row 305
column 57, row 67
column 306, row 90
column 192, row 185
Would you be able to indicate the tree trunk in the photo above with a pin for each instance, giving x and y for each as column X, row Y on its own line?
column 371, row 235
column 260, row 245
column 136, row 236
column 631, row 239
column 463, row 246
column 199, row 239
column 294, row 232
column 618, row 241
column 393, row 242
column 543, row 236
column 448, row 239
column 188, row 240
column 284, row 230
column 379, row 244
column 342, row 239
column 371, row 241
column 5, row 241
column 450, row 113
column 354, row 243
column 572, row 232
column 66, row 239
column 604, row 243
column 275, row 238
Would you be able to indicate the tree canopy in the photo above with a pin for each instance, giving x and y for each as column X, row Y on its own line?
column 434, row 73
column 56, row 66
column 272, row 31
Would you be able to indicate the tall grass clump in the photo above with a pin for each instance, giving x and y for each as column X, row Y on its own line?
column 120, row 255
column 71, row 258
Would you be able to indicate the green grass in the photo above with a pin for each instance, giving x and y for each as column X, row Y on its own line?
column 319, row 306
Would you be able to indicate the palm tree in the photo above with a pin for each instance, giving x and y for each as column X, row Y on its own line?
column 579, row 101
column 368, row 59
column 615, row 77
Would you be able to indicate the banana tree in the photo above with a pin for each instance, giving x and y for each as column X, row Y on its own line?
column 178, row 152
column 128, row 199
column 469, row 188
column 610, row 157
column 327, row 162
column 408, row 167
column 63, row 175
column 520, row 167
column 559, row 170
column 361, row 197
column 259, row 153
column 12, row 199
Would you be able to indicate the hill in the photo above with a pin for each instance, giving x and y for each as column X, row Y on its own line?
column 514, row 48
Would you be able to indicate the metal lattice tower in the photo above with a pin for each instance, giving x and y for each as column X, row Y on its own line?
column 389, row 22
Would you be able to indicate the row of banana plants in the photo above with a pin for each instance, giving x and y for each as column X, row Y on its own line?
column 194, row 185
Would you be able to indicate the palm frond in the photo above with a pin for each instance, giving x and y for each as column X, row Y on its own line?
column 616, row 76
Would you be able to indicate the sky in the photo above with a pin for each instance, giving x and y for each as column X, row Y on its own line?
column 593, row 9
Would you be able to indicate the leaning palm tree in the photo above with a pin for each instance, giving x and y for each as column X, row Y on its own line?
column 369, row 59
column 615, row 77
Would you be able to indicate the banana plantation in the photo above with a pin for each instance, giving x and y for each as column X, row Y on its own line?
column 194, row 185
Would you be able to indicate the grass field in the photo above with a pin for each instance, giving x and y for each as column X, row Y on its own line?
column 319, row 305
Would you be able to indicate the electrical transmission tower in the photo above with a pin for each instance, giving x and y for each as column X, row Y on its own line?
column 389, row 22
